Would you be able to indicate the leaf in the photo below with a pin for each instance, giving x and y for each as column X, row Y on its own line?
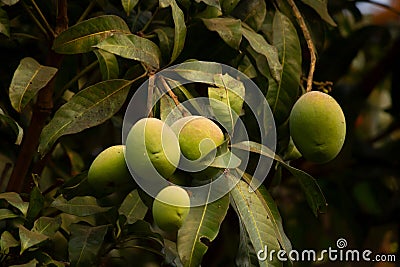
column 90, row 107
column 81, row 37
column 108, row 64
column 4, row 23
column 4, row 118
column 7, row 214
column 214, row 3
column 28, row 79
column 314, row 195
column 16, row 201
column 68, row 219
column 321, row 7
column 166, row 37
column 246, row 67
column 128, row 5
column 201, row 224
column 132, row 46
column 168, row 109
column 133, row 207
column 36, row 203
column 229, row 5
column 282, row 95
column 29, row 239
column 227, row 28
column 251, row 12
column 199, row 71
column 47, row 226
column 261, row 46
column 79, row 206
column 31, row 263
column 9, row 2
column 180, row 27
column 84, row 244
column 7, row 241
column 256, row 220
column 226, row 100
column 246, row 256
column 227, row 160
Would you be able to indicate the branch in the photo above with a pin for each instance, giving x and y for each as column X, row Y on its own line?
column 310, row 44
column 174, row 97
column 41, row 111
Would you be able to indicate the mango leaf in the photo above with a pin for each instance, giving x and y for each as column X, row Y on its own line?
column 7, row 214
column 16, row 201
column 203, row 222
column 46, row 260
column 226, row 100
column 47, row 226
column 321, row 7
column 245, row 66
column 314, row 195
column 68, row 219
column 108, row 64
column 6, row 119
column 166, row 37
column 168, row 109
column 245, row 256
column 81, row 37
column 29, row 239
column 282, row 95
column 229, row 5
column 4, row 23
column 28, row 79
column 9, row 2
column 31, row 263
column 36, row 203
column 214, row 3
column 180, row 27
column 227, row 28
column 84, row 244
column 90, row 107
column 128, row 5
column 256, row 220
column 252, row 12
column 199, row 71
column 261, row 46
column 7, row 241
column 132, row 46
column 227, row 160
column 79, row 206
column 133, row 207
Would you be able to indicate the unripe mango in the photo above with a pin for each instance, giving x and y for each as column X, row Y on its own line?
column 317, row 126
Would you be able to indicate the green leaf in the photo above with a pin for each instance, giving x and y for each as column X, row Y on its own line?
column 28, row 79
column 29, row 239
column 227, row 160
column 229, row 5
column 4, row 23
column 47, row 226
column 7, row 214
column 81, row 37
column 85, row 243
column 251, row 12
column 282, row 95
column 261, row 46
column 79, row 206
column 133, row 207
column 226, row 100
column 247, row 67
column 227, row 28
column 168, row 109
column 314, row 195
column 256, row 220
column 203, row 222
column 68, row 219
column 31, row 263
column 4, row 118
column 7, row 241
column 9, row 2
column 132, row 46
column 166, row 37
column 90, row 107
column 108, row 64
column 128, row 5
column 36, row 203
column 321, row 7
column 180, row 27
column 246, row 256
column 214, row 3
column 16, row 201
column 199, row 71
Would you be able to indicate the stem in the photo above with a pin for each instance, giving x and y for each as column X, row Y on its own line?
column 37, row 22
column 310, row 44
column 150, row 92
column 174, row 97
column 46, row 23
column 86, row 12
column 41, row 111
column 150, row 20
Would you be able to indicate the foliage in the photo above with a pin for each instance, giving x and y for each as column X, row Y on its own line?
column 70, row 67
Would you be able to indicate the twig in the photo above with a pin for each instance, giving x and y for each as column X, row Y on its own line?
column 174, row 97
column 46, row 23
column 87, row 10
column 310, row 44
column 37, row 22
column 150, row 92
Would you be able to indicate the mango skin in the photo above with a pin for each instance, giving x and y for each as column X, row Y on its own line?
column 152, row 145
column 317, row 126
column 170, row 208
column 192, row 130
column 108, row 172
